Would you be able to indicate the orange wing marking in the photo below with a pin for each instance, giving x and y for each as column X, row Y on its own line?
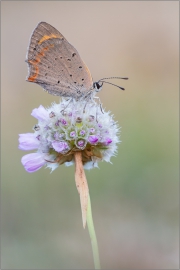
column 36, row 61
column 46, row 37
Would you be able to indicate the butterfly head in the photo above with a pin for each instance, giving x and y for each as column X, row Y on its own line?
column 97, row 86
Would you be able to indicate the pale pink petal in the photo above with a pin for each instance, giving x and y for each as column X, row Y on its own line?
column 28, row 141
column 60, row 147
column 40, row 113
column 33, row 162
column 93, row 139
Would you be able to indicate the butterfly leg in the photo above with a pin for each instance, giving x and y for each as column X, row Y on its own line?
column 100, row 104
column 71, row 99
column 87, row 98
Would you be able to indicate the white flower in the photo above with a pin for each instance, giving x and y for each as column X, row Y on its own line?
column 66, row 128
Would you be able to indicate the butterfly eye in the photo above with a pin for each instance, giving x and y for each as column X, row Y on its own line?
column 97, row 86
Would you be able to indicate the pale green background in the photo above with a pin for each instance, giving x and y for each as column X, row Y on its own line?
column 135, row 199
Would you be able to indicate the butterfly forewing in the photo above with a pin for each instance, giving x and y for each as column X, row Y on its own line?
column 56, row 65
column 42, row 32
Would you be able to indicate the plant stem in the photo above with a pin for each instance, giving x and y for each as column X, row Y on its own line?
column 82, row 187
column 93, row 236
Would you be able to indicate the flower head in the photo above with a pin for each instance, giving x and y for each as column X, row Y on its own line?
column 66, row 128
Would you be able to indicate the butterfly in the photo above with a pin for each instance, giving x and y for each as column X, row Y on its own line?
column 55, row 65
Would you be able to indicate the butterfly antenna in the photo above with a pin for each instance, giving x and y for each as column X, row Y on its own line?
column 112, row 84
column 123, row 78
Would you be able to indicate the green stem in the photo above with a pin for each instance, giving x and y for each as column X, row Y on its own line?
column 93, row 236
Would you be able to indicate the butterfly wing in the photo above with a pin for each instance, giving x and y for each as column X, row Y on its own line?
column 56, row 65
column 42, row 32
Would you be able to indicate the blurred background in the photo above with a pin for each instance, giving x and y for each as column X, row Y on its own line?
column 134, row 199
